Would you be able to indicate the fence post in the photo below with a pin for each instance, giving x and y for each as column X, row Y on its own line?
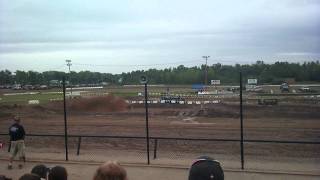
column 79, row 143
column 147, row 120
column 241, row 123
column 65, row 117
column 155, row 148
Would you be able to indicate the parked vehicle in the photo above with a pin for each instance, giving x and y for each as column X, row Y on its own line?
column 54, row 84
column 42, row 87
column 28, row 87
column 306, row 89
column 284, row 87
column 16, row 87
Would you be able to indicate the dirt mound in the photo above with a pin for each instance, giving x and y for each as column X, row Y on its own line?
column 98, row 104
column 9, row 111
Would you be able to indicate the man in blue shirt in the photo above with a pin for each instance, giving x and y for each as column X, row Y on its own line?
column 17, row 134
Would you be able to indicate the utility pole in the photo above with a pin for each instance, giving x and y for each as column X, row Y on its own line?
column 69, row 64
column 206, row 70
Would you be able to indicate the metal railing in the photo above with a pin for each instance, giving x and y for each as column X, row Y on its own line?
column 156, row 140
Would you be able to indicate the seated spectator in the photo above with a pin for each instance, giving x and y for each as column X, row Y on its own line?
column 58, row 173
column 40, row 170
column 2, row 177
column 110, row 171
column 30, row 176
column 206, row 168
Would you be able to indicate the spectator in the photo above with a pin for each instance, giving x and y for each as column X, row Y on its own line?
column 40, row 170
column 206, row 168
column 2, row 177
column 110, row 171
column 30, row 176
column 17, row 134
column 58, row 173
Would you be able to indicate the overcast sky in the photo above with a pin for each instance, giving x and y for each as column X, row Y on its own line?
column 124, row 35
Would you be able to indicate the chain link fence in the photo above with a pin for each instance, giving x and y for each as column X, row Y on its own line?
column 279, row 129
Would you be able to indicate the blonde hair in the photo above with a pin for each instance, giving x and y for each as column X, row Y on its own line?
column 110, row 171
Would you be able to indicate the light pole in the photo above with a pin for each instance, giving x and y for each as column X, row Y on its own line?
column 69, row 64
column 206, row 70
column 144, row 80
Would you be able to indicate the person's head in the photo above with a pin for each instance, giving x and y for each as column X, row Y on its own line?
column 40, row 170
column 58, row 173
column 4, row 178
column 206, row 168
column 30, row 176
column 110, row 171
column 16, row 119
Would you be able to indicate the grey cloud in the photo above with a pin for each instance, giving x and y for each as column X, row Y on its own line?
column 167, row 29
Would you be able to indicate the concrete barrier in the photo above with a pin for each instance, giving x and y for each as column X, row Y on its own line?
column 56, row 99
column 174, row 102
column 33, row 102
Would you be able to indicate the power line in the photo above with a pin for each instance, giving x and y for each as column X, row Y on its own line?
column 165, row 64
column 58, row 67
column 140, row 65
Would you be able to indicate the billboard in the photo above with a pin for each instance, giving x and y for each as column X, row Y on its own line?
column 252, row 81
column 215, row 82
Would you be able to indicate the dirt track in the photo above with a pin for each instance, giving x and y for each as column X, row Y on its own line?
column 282, row 122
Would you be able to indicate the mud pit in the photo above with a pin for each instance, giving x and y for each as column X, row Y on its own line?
column 215, row 121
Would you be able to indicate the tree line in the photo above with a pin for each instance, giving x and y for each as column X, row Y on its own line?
column 227, row 74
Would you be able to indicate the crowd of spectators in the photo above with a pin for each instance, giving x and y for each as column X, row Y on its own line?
column 203, row 168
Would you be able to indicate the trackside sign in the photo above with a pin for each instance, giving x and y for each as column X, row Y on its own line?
column 253, row 81
column 215, row 82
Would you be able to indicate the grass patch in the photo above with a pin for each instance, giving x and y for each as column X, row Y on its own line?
column 24, row 98
column 125, row 94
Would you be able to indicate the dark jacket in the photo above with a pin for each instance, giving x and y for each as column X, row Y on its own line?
column 16, row 132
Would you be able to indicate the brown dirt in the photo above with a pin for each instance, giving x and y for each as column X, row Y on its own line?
column 112, row 116
column 91, row 104
column 98, row 104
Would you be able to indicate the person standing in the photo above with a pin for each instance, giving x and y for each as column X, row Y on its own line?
column 17, row 135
